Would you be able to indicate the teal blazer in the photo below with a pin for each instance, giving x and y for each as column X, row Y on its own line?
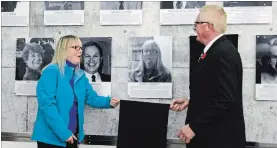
column 55, row 98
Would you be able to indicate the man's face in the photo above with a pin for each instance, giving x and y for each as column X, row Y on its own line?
column 273, row 51
column 92, row 59
column 200, row 29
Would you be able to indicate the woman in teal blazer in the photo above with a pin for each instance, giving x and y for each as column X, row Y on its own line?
column 62, row 92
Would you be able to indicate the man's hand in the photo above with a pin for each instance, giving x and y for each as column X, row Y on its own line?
column 179, row 104
column 71, row 139
column 114, row 102
column 186, row 134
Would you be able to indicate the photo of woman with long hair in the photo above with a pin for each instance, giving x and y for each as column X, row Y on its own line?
column 150, row 67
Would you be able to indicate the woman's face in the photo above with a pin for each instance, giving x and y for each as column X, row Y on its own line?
column 273, row 51
column 34, row 60
column 150, row 57
column 92, row 59
column 74, row 52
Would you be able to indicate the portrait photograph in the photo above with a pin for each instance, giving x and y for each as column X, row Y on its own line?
column 96, row 58
column 15, row 13
column 266, row 59
column 246, row 3
column 182, row 4
column 21, row 7
column 32, row 55
column 120, row 5
column 8, row 6
column 64, row 5
column 150, row 59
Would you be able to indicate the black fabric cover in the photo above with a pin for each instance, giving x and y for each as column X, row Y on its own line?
column 142, row 125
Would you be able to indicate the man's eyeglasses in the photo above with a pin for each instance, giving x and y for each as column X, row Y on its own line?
column 195, row 23
column 77, row 48
column 200, row 22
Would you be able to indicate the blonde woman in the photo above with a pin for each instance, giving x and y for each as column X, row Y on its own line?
column 62, row 92
column 151, row 68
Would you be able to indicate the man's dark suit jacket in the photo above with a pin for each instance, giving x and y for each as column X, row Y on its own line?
column 105, row 77
column 215, row 111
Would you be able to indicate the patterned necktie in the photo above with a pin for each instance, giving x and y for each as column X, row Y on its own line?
column 121, row 5
column 179, row 5
column 93, row 78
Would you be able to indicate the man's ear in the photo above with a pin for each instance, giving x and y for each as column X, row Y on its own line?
column 211, row 27
column 101, row 59
column 207, row 28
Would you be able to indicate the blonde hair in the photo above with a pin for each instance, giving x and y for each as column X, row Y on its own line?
column 215, row 15
column 61, row 50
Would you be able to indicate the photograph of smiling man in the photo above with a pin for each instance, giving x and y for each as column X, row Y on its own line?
column 32, row 55
column 96, row 62
column 150, row 62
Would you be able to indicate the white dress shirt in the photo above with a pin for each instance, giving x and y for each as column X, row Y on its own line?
column 97, row 77
column 268, row 79
column 211, row 43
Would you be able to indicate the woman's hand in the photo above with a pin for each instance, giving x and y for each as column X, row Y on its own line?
column 114, row 102
column 71, row 139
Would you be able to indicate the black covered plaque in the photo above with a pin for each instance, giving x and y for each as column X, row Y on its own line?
column 142, row 125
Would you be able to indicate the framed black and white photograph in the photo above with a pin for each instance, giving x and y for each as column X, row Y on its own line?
column 64, row 5
column 32, row 55
column 150, row 62
column 266, row 67
column 182, row 4
column 96, row 62
column 246, row 3
column 15, row 13
column 120, row 5
column 248, row 12
column 121, row 12
column 8, row 6
column 64, row 13
column 172, row 11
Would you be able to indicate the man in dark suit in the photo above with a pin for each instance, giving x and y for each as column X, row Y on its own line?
column 215, row 108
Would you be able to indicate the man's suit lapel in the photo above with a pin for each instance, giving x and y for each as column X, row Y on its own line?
column 212, row 49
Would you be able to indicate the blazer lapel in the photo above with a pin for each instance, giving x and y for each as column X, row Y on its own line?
column 211, row 49
column 77, row 73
